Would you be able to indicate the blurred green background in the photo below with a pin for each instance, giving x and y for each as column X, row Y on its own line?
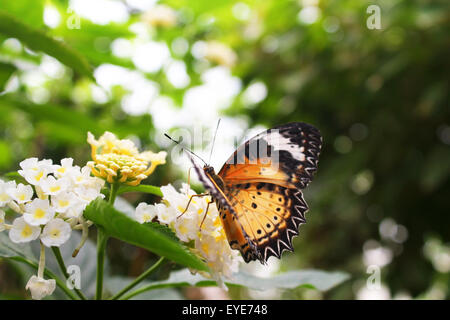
column 140, row 68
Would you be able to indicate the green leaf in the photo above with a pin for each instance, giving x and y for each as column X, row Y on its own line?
column 147, row 236
column 9, row 249
column 6, row 70
column 30, row 12
column 319, row 280
column 38, row 40
column 145, row 188
column 114, row 284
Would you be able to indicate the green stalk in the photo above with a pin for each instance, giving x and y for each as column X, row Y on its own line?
column 101, row 245
column 144, row 275
column 63, row 268
column 102, row 238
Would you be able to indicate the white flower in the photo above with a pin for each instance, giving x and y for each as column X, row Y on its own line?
column 52, row 186
column 64, row 201
column 88, row 194
column 76, row 210
column 160, row 15
column 40, row 288
column 38, row 212
column 2, row 220
column 23, row 232
column 4, row 194
column 55, row 233
column 166, row 215
column 145, row 212
column 21, row 193
column 35, row 171
column 65, row 168
column 81, row 176
column 186, row 227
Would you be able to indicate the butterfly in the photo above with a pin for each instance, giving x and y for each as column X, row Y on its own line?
column 258, row 189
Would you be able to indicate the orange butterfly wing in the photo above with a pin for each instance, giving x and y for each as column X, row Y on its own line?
column 286, row 155
column 269, row 214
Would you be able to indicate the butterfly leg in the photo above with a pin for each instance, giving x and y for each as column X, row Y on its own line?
column 190, row 199
column 206, row 212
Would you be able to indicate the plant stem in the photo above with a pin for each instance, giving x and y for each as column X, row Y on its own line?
column 144, row 275
column 113, row 193
column 102, row 238
column 101, row 245
column 41, row 267
column 63, row 268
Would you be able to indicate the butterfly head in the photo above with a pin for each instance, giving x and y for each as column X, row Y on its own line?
column 209, row 170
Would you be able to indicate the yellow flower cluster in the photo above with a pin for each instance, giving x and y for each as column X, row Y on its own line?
column 119, row 161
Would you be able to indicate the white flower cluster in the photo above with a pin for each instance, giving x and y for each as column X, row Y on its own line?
column 50, row 206
column 62, row 193
column 209, row 237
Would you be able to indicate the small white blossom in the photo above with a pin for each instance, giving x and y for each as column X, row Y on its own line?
column 35, row 171
column 51, row 186
column 4, row 191
column 145, row 212
column 55, row 233
column 23, row 232
column 88, row 194
column 38, row 212
column 40, row 288
column 21, row 193
column 166, row 215
column 64, row 169
column 76, row 210
column 2, row 220
column 81, row 176
column 64, row 201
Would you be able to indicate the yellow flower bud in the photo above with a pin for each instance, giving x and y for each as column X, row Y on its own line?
column 119, row 161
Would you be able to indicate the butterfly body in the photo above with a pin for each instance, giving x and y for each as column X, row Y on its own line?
column 258, row 190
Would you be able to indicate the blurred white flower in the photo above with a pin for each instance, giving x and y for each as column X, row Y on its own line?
column 81, row 176
column 2, row 220
column 35, row 171
column 160, row 16
column 38, row 212
column 63, row 169
column 64, row 201
column 51, row 186
column 40, row 288
column 21, row 193
column 145, row 212
column 55, row 233
column 23, row 232
column 4, row 194
column 219, row 53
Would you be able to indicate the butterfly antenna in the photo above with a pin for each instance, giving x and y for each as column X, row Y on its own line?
column 183, row 148
column 214, row 140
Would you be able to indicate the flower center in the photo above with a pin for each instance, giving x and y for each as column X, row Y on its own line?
column 54, row 189
column 63, row 203
column 39, row 176
column 39, row 213
column 55, row 233
column 26, row 231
